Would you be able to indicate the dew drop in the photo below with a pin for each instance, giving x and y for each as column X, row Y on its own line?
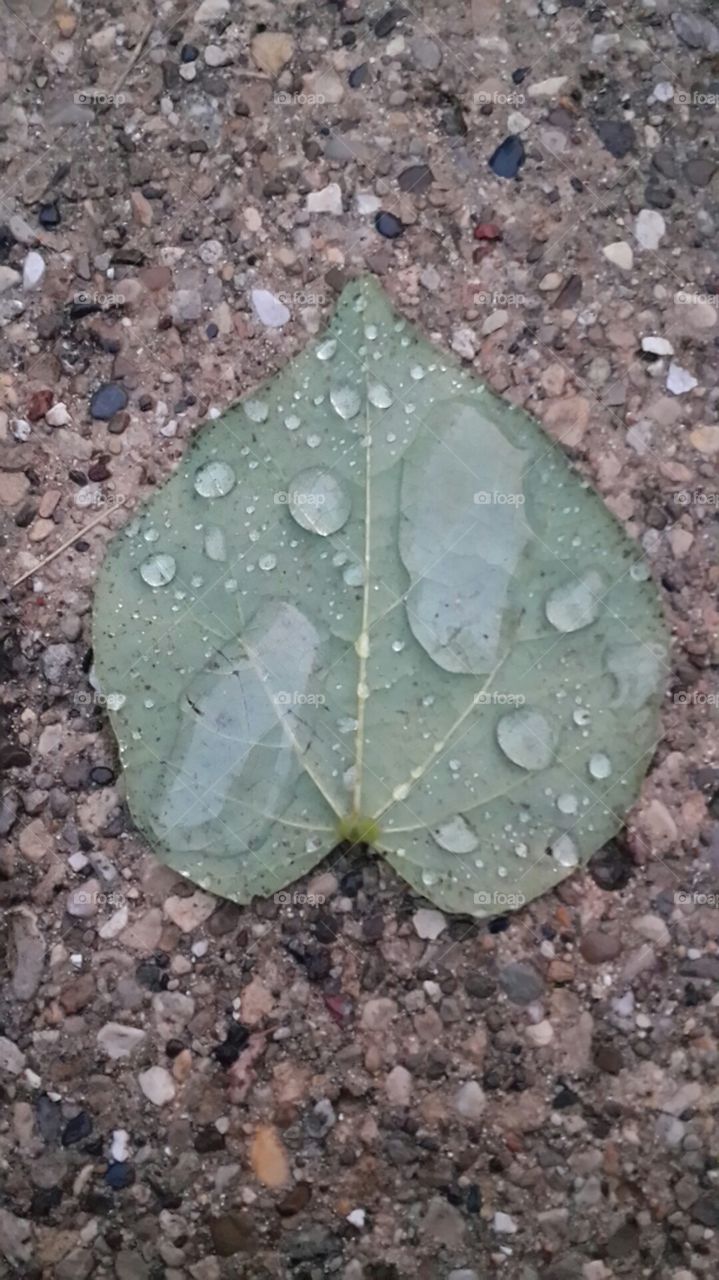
column 567, row 803
column 353, row 575
column 158, row 570
column 397, row 646
column 292, row 422
column 267, row 562
column 600, row 766
column 214, row 542
column 400, row 792
column 214, row 480
column 345, row 401
column 326, row 350
column 429, row 878
column 564, row 851
column 521, row 850
column 313, row 441
column 456, row 836
column 576, row 604
column 380, row 396
column 526, row 738
column 318, row 501
column 639, row 571
column 417, row 373
column 152, row 534
column 370, row 332
column 581, row 716
column 256, row 410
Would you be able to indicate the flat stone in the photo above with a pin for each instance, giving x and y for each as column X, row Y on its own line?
column 620, row 254
column 157, row 1085
column 649, row 228
column 657, row 346
column 652, row 928
column 598, row 947
column 470, row 1101
column 212, row 11
column 696, row 32
column 547, row 88
column 426, row 53
column 33, row 271
column 521, row 983
column 494, row 322
column 269, row 1158
column 679, row 380
column 118, row 1040
column 328, row 200
column 271, row 51
column 12, row 1059
column 398, row 1087
column 9, row 279
column 503, row 1224
column 428, row 924
column 268, row 308
column 27, row 954
column 107, row 400
column 705, row 440
column 191, row 912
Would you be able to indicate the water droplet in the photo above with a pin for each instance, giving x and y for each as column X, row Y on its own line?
column 326, row 350
column 576, row 604
column 215, row 548
column 581, row 716
column 353, row 575
column 429, row 878
column 214, row 480
column 456, row 836
column 521, row 850
column 319, row 501
column 256, row 410
column 362, row 645
column 400, row 792
column 267, row 562
column 600, row 766
column 158, row 570
column 151, row 534
column 527, row 738
column 567, row 803
column 380, row 396
column 292, row 422
column 564, row 851
column 639, row 571
column 417, row 373
column 398, row 646
column 345, row 401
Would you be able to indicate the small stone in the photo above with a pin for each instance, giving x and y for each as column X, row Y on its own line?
column 566, row 420
column 540, row 1033
column 272, row 313
column 398, row 1087
column 324, row 86
column 494, row 322
column 653, row 929
column 295, row 1200
column 58, row 415
column 157, row 1085
column 269, row 1158
column 656, row 346
column 619, row 254
column 33, row 271
column 27, row 954
column 12, row 1059
column 9, row 279
column 550, row 282
column 696, row 31
column 649, row 228
column 547, row 88
column 416, row 180
column 680, row 381
column 366, row 203
column 378, row 1013
column 328, row 200
column 233, row 1233
column 82, row 900
column 444, row 1223
column 215, row 56
column 211, row 11
column 598, row 947
column 107, row 400
column 705, row 440
column 503, row 1224
column 271, row 51
column 521, row 983
column 118, row 1040
column 428, row 924
column 426, row 53
column 470, row 1101
column 508, row 158
column 388, row 225
column 617, row 136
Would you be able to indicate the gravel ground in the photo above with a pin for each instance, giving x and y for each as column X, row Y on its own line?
column 346, row 1083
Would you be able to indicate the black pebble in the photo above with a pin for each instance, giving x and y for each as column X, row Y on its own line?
column 101, row 776
column 212, row 331
column 358, row 76
column 44, row 1201
column 617, row 136
column 120, row 1175
column 509, row 157
column 387, row 23
column 49, row 216
column 107, row 400
column 189, row 53
column 388, row 225
column 76, row 1129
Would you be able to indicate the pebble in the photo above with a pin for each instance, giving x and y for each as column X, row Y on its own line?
column 508, row 158
column 503, row 1224
column 107, row 400
column 117, row 1040
column 271, row 51
column 327, row 200
column 464, row 343
column 494, row 322
column 215, row 56
column 657, row 346
column 388, row 225
column 705, row 440
column 82, row 900
column 649, row 228
column 270, row 311
column 58, row 415
column 598, row 947
column 679, row 380
column 426, row 53
column 398, row 1087
column 269, row 1158
column 521, row 983
column 57, row 662
column 653, row 929
column 9, row 279
column 540, row 1033
column 157, row 1085
column 190, row 912
column 617, row 136
column 33, row 271
column 12, row 1059
column 211, row 11
column 428, row 924
column 547, row 88
column 696, row 31
column 366, row 203
column 470, row 1101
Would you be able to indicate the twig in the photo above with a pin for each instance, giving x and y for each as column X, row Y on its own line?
column 67, row 543
column 134, row 57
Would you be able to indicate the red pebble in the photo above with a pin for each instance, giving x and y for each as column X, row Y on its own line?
column 38, row 405
column 487, row 231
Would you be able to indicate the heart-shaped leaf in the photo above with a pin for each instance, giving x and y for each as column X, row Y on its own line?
column 374, row 603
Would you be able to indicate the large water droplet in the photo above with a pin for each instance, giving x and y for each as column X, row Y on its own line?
column 456, row 836
column 353, row 575
column 267, row 562
column 345, row 401
column 527, row 738
column 581, row 716
column 256, row 410
column 214, row 480
column 318, row 501
column 564, row 851
column 417, row 373
column 380, row 396
column 292, row 422
column 326, row 350
column 215, row 547
column 600, row 766
column 567, row 803
column 576, row 604
column 158, row 570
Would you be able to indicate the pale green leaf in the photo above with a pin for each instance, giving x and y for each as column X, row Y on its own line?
column 374, row 603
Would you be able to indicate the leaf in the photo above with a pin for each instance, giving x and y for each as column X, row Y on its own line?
column 375, row 603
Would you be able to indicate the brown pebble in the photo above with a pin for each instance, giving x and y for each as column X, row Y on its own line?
column 48, row 502
column 560, row 971
column 78, row 994
column 598, row 948
column 295, row 1201
column 608, row 1059
column 118, row 423
column 38, row 405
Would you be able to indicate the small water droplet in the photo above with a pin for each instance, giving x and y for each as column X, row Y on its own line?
column 639, row 571
column 417, row 373
column 398, row 646
column 526, row 738
column 345, row 401
column 214, row 542
column 267, row 562
column 521, row 850
column 214, row 480
column 256, row 410
column 380, row 396
column 600, row 766
column 326, row 350
column 318, row 501
column 151, row 534
column 429, row 878
column 567, row 803
column 564, row 851
column 292, row 422
column 353, row 575
column 581, row 716
column 158, row 570
column 313, row 441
